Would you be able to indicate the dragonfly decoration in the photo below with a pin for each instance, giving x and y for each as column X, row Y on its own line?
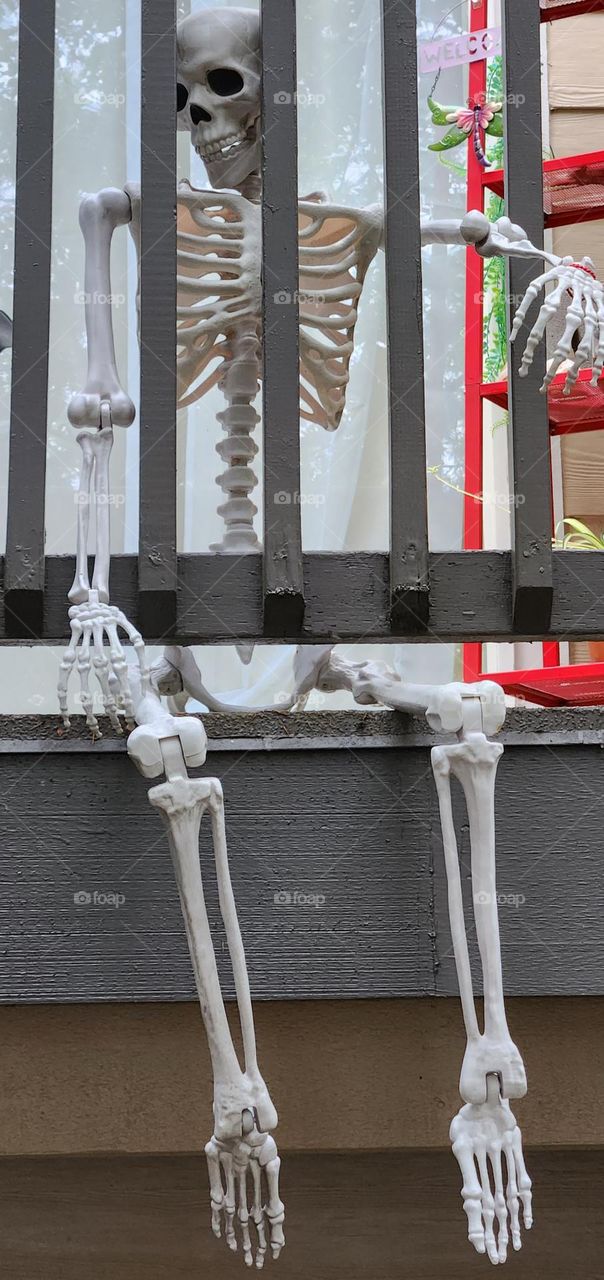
column 478, row 117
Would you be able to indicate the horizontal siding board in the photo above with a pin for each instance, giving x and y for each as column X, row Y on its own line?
column 337, row 870
column 347, row 597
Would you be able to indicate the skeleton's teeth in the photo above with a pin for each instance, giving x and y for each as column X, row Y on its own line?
column 225, row 148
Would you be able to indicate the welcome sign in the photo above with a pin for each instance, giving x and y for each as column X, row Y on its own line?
column 455, row 51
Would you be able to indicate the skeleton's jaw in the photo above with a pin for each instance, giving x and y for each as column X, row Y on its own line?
column 229, row 161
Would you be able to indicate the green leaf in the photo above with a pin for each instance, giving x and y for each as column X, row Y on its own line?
column 495, row 127
column 439, row 114
column 582, row 537
column 453, row 138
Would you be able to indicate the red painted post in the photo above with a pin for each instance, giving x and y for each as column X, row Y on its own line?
column 472, row 532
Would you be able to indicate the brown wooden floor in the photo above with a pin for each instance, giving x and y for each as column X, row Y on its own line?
column 365, row 1217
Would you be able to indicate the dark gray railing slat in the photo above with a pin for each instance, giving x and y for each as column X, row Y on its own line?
column 24, row 565
column 157, row 570
column 282, row 552
column 532, row 574
column 409, row 582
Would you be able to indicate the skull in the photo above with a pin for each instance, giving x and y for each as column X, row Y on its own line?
column 218, row 65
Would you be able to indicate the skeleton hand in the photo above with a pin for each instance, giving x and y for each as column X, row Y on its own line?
column 90, row 623
column 229, row 1164
column 586, row 309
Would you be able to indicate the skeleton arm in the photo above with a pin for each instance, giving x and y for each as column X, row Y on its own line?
column 568, row 278
column 96, row 410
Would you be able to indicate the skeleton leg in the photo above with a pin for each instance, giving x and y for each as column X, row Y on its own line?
column 474, row 762
column 243, row 1110
column 485, row 1127
column 442, row 776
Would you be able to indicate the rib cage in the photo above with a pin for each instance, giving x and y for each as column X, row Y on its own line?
column 219, row 257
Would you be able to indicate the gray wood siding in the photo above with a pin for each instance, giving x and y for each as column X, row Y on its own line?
column 335, row 854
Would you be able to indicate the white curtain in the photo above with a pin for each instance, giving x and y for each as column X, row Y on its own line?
column 344, row 474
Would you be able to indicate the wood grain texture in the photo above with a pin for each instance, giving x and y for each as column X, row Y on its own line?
column 409, row 580
column 283, row 585
column 530, row 480
column 337, row 869
column 157, row 565
column 347, row 598
column 375, row 1216
column 24, row 564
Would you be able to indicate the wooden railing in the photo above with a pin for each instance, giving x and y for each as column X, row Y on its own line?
column 406, row 594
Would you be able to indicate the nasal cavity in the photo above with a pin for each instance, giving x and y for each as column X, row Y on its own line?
column 199, row 116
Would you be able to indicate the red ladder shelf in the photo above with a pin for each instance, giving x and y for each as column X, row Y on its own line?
column 573, row 191
column 552, row 9
column 581, row 685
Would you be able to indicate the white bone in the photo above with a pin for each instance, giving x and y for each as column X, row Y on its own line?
column 241, row 1147
column 91, row 623
column 224, row 126
column 492, row 1069
column 480, row 1134
column 94, row 481
column 585, row 307
column 81, row 583
column 100, row 214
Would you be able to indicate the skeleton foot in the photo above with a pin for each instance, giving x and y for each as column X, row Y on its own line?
column 249, row 1164
column 480, row 1134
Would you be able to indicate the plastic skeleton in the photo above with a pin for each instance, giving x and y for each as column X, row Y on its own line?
column 219, row 341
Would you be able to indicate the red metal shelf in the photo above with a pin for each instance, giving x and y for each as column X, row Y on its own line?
column 573, row 188
column 552, row 9
column 579, row 686
column 582, row 410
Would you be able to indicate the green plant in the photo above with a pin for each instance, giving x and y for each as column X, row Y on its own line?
column 581, row 537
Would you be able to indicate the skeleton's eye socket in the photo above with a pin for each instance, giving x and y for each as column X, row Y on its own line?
column 225, row 82
column 182, row 97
